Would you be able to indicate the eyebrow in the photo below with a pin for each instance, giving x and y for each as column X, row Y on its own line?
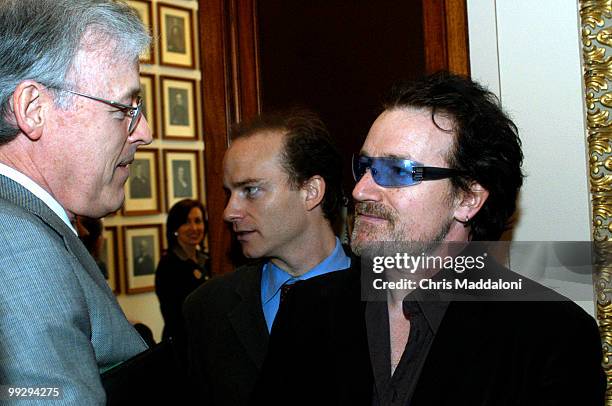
column 392, row 156
column 245, row 182
column 130, row 94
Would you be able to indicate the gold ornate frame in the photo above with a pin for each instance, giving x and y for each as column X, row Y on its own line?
column 596, row 23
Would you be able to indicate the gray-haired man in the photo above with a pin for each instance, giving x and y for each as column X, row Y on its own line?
column 70, row 124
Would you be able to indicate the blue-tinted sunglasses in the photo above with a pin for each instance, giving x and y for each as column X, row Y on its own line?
column 397, row 172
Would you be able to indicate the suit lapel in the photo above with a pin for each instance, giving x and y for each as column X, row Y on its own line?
column 247, row 317
column 14, row 193
column 377, row 326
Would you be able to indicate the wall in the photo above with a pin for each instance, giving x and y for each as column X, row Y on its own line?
column 143, row 306
column 529, row 53
column 330, row 69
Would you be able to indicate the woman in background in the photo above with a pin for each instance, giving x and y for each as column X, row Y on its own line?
column 184, row 267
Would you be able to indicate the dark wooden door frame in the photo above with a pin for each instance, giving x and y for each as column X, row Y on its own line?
column 446, row 36
column 230, row 91
column 231, row 85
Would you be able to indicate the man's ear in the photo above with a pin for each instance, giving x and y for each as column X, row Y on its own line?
column 470, row 202
column 314, row 190
column 30, row 105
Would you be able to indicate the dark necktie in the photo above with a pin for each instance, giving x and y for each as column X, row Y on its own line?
column 285, row 288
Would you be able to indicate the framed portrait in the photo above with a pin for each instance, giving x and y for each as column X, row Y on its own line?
column 176, row 35
column 110, row 258
column 142, row 253
column 145, row 11
column 148, row 94
column 182, row 175
column 178, row 106
column 142, row 187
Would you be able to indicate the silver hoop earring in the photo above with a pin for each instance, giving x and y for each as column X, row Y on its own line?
column 464, row 222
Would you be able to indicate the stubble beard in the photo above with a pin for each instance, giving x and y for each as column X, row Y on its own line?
column 398, row 234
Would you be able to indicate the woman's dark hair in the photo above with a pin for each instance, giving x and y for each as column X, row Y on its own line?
column 177, row 216
column 486, row 148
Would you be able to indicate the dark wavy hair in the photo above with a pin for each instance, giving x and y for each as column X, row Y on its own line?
column 486, row 147
column 177, row 216
column 309, row 150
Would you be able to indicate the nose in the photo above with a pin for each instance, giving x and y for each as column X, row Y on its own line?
column 232, row 212
column 142, row 133
column 366, row 189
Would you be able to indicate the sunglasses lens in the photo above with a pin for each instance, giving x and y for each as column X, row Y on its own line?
column 360, row 165
column 394, row 172
column 386, row 172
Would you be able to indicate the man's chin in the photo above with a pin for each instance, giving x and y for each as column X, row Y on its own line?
column 359, row 246
column 250, row 255
column 117, row 202
column 363, row 239
column 112, row 204
column 254, row 252
column 247, row 251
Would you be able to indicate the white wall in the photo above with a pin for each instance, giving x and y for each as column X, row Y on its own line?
column 528, row 53
column 143, row 308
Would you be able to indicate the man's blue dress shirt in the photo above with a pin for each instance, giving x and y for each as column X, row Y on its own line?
column 273, row 278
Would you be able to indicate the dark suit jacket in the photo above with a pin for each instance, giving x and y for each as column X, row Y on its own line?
column 484, row 353
column 520, row 353
column 497, row 353
column 227, row 336
column 318, row 351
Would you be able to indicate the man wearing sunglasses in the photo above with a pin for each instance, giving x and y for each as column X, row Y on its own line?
column 70, row 125
column 442, row 163
column 440, row 168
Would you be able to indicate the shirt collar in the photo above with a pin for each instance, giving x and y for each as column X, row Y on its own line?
column 37, row 191
column 433, row 311
column 276, row 277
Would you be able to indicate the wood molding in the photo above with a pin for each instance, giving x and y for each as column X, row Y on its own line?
column 434, row 35
column 217, row 119
column 446, row 36
column 245, row 59
column 230, row 91
column 457, row 37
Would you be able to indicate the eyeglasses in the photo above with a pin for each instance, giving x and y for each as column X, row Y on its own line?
column 397, row 172
column 134, row 112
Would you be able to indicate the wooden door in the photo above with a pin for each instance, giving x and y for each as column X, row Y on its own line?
column 334, row 56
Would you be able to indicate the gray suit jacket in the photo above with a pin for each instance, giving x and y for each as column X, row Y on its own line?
column 60, row 324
